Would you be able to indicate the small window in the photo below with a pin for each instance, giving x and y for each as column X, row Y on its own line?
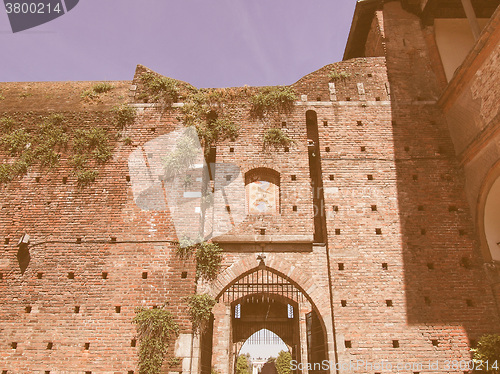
column 262, row 187
column 290, row 310
column 237, row 311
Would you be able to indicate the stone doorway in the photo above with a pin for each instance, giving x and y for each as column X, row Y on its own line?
column 262, row 299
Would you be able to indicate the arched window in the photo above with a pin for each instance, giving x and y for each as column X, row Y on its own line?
column 262, row 190
column 492, row 220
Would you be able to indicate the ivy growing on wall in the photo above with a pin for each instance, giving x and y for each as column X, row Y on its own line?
column 44, row 144
column 208, row 258
column 159, row 89
column 338, row 75
column 155, row 327
column 200, row 309
column 488, row 350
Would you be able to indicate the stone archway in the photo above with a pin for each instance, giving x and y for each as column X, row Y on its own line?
column 295, row 280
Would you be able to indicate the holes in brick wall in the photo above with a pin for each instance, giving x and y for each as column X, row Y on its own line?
column 363, row 149
column 262, row 231
column 420, row 208
column 331, row 177
column 385, row 266
column 71, row 275
column 47, row 371
column 435, row 342
column 325, row 123
column 327, row 149
column 395, row 344
column 127, row 178
column 1, row 275
column 76, row 309
column 118, row 309
column 39, row 275
column 452, row 208
column 50, row 345
column 427, row 300
column 6, row 241
column 144, row 275
column 283, row 124
column 388, row 302
column 369, row 177
column 461, row 232
column 423, row 231
column 184, row 274
column 377, row 98
column 335, row 208
column 228, row 209
column 113, row 239
column 4, row 372
column 228, row 177
column 294, row 177
column 13, row 345
column 152, row 129
column 231, row 150
column 294, row 208
column 430, row 265
column 465, row 262
column 78, row 240
column 359, row 123
column 27, row 309
column 347, row 99
column 341, row 265
column 130, row 372
column 337, row 231
column 88, row 372
column 155, row 306
column 287, row 149
column 86, row 346
column 133, row 342
column 318, row 98
column 407, row 149
column 37, row 179
column 65, row 180
column 378, row 231
column 414, row 177
column 469, row 302
column 347, row 343
column 370, row 75
column 104, row 275
column 373, row 208
column 343, row 303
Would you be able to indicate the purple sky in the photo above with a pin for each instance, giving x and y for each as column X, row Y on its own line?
column 208, row 43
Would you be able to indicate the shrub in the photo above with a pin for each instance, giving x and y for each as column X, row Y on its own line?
column 208, row 260
column 15, row 142
column 86, row 177
column 102, row 87
column 488, row 349
column 155, row 327
column 160, row 89
column 283, row 363
column 200, row 310
column 335, row 75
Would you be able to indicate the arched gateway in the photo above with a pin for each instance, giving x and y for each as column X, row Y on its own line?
column 265, row 293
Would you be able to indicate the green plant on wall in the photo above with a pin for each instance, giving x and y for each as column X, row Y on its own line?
column 338, row 75
column 488, row 350
column 208, row 257
column 278, row 99
column 208, row 111
column 283, row 363
column 276, row 137
column 43, row 145
column 200, row 309
column 155, row 328
column 123, row 115
column 96, row 90
column 159, row 89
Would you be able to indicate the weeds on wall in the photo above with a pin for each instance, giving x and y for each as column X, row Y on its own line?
column 159, row 89
column 155, row 328
column 123, row 115
column 44, row 144
column 338, row 75
column 200, row 309
column 278, row 99
column 208, row 257
column 96, row 91
column 276, row 137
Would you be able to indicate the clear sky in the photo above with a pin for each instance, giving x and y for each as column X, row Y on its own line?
column 208, row 43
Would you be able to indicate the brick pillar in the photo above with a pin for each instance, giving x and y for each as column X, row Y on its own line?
column 303, row 309
column 222, row 339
